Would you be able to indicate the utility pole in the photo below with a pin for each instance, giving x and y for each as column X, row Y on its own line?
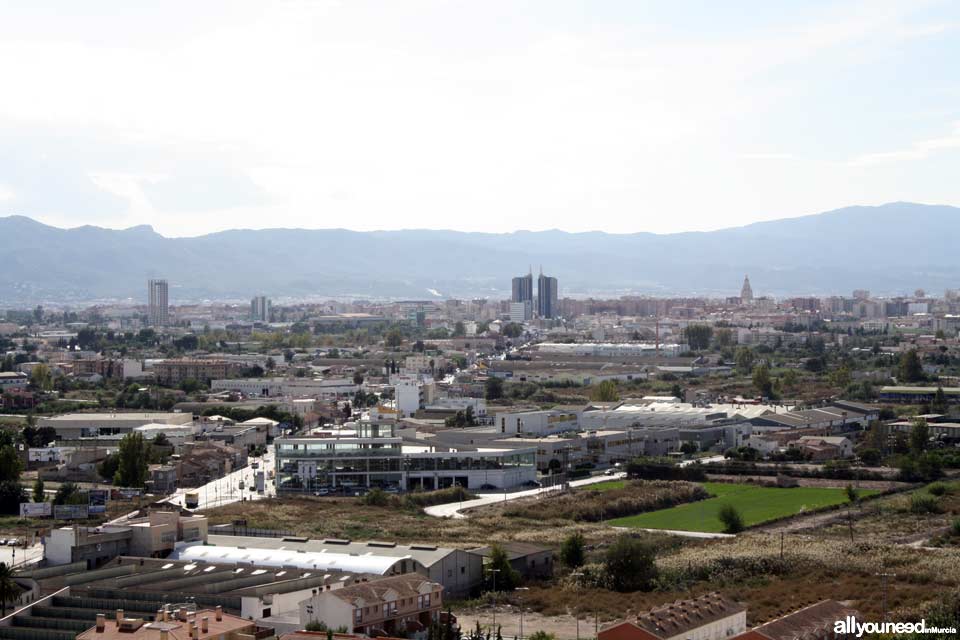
column 883, row 577
column 520, row 596
column 576, row 612
column 494, row 572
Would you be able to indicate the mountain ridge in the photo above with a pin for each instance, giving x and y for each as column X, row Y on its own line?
column 889, row 248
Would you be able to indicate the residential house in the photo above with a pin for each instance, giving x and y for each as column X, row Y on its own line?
column 815, row 622
column 708, row 617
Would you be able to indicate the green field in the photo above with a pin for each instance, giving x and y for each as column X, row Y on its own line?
column 756, row 505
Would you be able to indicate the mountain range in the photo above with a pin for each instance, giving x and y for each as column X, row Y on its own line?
column 889, row 249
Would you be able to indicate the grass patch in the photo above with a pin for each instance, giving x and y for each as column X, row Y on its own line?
column 755, row 504
column 609, row 485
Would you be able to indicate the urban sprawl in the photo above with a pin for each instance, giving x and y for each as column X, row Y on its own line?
column 540, row 467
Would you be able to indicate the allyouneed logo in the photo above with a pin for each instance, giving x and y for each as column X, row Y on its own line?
column 850, row 626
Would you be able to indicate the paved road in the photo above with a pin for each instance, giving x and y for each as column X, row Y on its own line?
column 452, row 509
column 226, row 490
column 19, row 556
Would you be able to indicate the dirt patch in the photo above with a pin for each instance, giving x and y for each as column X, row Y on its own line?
column 880, row 485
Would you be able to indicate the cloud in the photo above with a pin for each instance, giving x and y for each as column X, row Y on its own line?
column 917, row 151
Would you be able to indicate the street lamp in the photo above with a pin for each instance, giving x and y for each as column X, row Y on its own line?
column 520, row 596
column 494, row 572
column 577, row 575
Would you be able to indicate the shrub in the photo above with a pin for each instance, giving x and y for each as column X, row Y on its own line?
column 924, row 503
column 630, row 564
column 938, row 489
column 442, row 496
column 376, row 497
column 541, row 635
column 955, row 528
column 731, row 519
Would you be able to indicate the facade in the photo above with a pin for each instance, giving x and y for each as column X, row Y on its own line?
column 815, row 622
column 709, row 617
column 158, row 310
column 398, row 605
column 746, row 292
column 521, row 312
column 522, row 289
column 374, row 456
column 73, row 426
column 173, row 372
column 529, row 560
column 546, row 296
column 260, row 309
column 13, row 381
column 543, row 423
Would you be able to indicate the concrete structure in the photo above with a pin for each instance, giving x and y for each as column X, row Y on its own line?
column 13, row 381
column 709, row 617
column 70, row 426
column 173, row 372
column 522, row 289
column 459, row 571
column 521, row 312
column 529, row 560
column 399, row 605
column 542, row 423
column 152, row 536
column 182, row 624
column 374, row 456
column 260, row 309
column 331, row 388
column 158, row 310
column 546, row 296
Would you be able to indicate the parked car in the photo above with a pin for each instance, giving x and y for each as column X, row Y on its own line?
column 487, row 487
column 322, row 491
column 610, row 472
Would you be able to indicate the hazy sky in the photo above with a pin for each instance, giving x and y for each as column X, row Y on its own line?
column 485, row 115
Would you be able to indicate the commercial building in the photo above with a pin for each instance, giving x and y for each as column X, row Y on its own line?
column 522, row 289
column 158, row 311
column 546, row 296
column 521, row 312
column 373, row 456
column 330, row 388
column 260, row 309
column 73, row 426
column 529, row 560
column 13, row 381
column 459, row 571
column 545, row 422
column 151, row 536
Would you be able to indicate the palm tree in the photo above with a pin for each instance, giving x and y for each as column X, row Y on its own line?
column 8, row 588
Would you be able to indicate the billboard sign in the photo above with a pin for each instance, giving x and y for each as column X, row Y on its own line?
column 98, row 500
column 71, row 511
column 36, row 509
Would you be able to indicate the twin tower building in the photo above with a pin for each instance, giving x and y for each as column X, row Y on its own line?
column 523, row 304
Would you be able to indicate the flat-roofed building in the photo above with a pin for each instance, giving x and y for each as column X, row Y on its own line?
column 71, row 426
column 173, row 372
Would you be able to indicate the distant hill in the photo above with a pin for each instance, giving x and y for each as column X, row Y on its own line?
column 891, row 248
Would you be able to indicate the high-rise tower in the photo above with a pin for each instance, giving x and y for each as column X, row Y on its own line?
column 157, row 313
column 746, row 293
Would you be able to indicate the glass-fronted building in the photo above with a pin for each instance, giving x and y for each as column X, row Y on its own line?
column 373, row 456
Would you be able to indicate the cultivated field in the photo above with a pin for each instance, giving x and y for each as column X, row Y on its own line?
column 756, row 505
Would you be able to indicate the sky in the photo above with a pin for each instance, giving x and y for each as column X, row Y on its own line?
column 613, row 115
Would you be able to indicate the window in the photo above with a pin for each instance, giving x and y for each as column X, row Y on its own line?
column 449, row 573
column 423, row 601
column 463, row 570
column 357, row 615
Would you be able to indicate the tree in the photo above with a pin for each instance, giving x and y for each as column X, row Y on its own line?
column 698, row 336
column 11, row 495
column 541, row 635
column 494, row 388
column 393, row 339
column 107, row 468
column 38, row 493
column 270, row 364
column 513, row 330
column 840, row 377
column 606, row 391
column 789, row 379
column 573, row 550
column 744, row 360
column 724, row 337
column 500, row 570
column 919, row 436
column 629, row 563
column 852, row 494
column 10, row 464
column 40, row 377
column 459, row 329
column 8, row 588
column 358, row 378
column 731, row 519
column 939, row 404
column 911, row 369
column 762, row 381
column 68, row 493
column 132, row 461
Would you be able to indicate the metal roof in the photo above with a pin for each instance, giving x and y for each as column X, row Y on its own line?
column 321, row 561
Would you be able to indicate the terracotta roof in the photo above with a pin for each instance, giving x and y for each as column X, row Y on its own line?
column 405, row 586
column 683, row 615
column 807, row 622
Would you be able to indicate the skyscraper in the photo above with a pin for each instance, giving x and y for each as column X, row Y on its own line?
column 546, row 296
column 523, row 289
column 521, row 302
column 260, row 309
column 158, row 314
column 746, row 293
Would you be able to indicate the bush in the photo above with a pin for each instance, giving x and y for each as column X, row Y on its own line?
column 541, row 635
column 924, row 503
column 630, row 564
column 572, row 551
column 938, row 489
column 656, row 469
column 376, row 497
column 420, row 499
column 955, row 528
column 731, row 519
